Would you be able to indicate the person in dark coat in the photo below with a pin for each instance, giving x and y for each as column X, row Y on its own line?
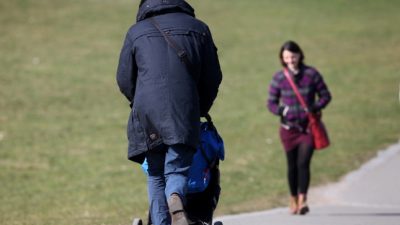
column 167, row 98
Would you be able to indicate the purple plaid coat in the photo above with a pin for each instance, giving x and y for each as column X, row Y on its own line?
column 311, row 86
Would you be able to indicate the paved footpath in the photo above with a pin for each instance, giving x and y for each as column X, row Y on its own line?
column 367, row 196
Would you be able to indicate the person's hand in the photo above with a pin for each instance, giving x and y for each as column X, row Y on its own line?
column 283, row 110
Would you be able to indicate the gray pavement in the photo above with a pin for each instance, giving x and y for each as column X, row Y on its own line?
column 367, row 196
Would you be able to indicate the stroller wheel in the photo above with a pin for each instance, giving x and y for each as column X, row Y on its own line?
column 218, row 223
column 137, row 221
column 198, row 222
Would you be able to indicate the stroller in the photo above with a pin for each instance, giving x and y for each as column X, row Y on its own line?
column 201, row 205
column 204, row 178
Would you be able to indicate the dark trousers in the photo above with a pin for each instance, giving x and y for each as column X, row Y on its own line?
column 298, row 163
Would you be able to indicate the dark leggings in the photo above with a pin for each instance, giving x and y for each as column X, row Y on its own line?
column 298, row 160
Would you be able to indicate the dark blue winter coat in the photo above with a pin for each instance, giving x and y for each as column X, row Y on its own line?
column 167, row 98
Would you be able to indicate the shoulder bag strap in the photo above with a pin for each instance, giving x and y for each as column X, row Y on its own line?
column 184, row 58
column 171, row 42
column 296, row 91
column 180, row 52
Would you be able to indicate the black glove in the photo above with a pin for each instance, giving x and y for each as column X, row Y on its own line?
column 314, row 109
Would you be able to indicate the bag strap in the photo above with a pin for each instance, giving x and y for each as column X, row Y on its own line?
column 209, row 120
column 171, row 42
column 180, row 52
column 295, row 89
column 184, row 58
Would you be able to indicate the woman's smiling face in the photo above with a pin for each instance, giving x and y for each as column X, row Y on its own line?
column 291, row 59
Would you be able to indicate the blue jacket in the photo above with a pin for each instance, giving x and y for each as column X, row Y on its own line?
column 167, row 99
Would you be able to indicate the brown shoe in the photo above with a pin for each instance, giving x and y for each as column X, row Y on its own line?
column 304, row 209
column 178, row 215
column 302, row 205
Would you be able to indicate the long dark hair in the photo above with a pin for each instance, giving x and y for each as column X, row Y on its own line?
column 292, row 47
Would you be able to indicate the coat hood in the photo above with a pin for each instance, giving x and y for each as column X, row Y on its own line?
column 156, row 7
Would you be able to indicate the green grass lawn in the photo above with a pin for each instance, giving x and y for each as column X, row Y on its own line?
column 62, row 118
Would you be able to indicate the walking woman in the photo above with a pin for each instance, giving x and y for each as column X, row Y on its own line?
column 295, row 136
